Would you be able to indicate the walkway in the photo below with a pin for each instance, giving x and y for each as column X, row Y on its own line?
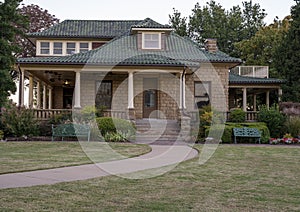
column 163, row 157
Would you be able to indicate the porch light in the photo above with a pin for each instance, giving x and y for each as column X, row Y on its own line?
column 67, row 82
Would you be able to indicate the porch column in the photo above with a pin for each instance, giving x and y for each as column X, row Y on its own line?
column 182, row 104
column 245, row 99
column 279, row 94
column 44, row 96
column 38, row 93
column 50, row 98
column 77, row 91
column 268, row 99
column 21, row 88
column 30, row 96
column 254, row 102
column 130, row 91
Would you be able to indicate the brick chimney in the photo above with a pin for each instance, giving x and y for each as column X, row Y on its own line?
column 211, row 45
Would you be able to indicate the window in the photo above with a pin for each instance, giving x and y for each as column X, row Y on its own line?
column 57, row 48
column 151, row 41
column 83, row 47
column 71, row 48
column 104, row 94
column 202, row 94
column 45, row 48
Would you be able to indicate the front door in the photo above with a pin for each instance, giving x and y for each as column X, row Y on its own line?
column 150, row 98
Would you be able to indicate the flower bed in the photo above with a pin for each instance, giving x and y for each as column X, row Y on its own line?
column 285, row 140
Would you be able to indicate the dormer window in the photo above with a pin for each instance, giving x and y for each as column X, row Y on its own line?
column 45, row 47
column 151, row 40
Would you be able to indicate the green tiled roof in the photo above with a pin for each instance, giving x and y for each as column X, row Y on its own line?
column 123, row 51
column 149, row 23
column 87, row 29
column 237, row 79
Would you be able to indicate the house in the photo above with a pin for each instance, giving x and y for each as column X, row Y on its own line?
column 134, row 69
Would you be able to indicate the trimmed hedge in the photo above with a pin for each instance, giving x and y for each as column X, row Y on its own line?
column 113, row 126
column 227, row 136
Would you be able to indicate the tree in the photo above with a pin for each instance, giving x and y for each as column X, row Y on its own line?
column 11, row 23
column 287, row 57
column 213, row 21
column 39, row 19
column 261, row 48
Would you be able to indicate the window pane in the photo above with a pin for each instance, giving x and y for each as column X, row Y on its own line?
column 84, row 47
column 57, row 48
column 104, row 94
column 202, row 94
column 151, row 41
column 45, row 44
column 45, row 48
column 71, row 48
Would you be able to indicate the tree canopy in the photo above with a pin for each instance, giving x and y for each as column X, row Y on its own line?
column 11, row 25
column 227, row 26
column 286, row 59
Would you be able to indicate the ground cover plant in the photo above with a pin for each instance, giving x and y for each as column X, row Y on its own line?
column 26, row 156
column 236, row 178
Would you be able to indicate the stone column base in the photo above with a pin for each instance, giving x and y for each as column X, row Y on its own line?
column 131, row 114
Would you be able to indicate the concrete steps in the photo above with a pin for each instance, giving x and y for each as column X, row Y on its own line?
column 157, row 131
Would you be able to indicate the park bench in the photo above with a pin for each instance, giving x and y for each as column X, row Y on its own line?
column 246, row 132
column 71, row 130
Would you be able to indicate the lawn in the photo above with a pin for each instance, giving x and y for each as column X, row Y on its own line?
column 236, row 178
column 27, row 156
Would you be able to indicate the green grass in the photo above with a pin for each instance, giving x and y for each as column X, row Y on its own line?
column 27, row 156
column 236, row 178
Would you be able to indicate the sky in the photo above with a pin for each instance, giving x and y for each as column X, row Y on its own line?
column 157, row 10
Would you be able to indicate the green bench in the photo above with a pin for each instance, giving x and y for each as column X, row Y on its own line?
column 71, row 130
column 246, row 133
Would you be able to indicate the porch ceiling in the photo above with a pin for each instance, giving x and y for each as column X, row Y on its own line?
column 55, row 78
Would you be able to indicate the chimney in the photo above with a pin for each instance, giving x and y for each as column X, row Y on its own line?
column 211, row 45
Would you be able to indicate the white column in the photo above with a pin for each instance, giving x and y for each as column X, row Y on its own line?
column 268, row 99
column 279, row 94
column 44, row 96
column 254, row 102
column 130, row 91
column 181, row 92
column 50, row 98
column 77, row 91
column 30, row 96
column 38, row 93
column 245, row 99
column 21, row 88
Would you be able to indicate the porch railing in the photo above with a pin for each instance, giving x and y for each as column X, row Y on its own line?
column 252, row 71
column 46, row 114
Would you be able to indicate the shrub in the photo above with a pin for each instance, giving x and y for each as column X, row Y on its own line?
column 114, row 137
column 237, row 116
column 61, row 118
column 111, row 126
column 292, row 125
column 227, row 136
column 19, row 122
column 1, row 135
column 274, row 120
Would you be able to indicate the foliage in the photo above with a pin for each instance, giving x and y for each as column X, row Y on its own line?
column 274, row 119
column 292, row 125
column 88, row 113
column 1, row 135
column 39, row 19
column 61, row 118
column 19, row 122
column 261, row 48
column 10, row 24
column 237, row 115
column 114, row 137
column 213, row 21
column 227, row 136
column 112, row 126
column 287, row 56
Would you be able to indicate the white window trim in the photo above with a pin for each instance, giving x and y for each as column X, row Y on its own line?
column 147, row 33
column 64, row 46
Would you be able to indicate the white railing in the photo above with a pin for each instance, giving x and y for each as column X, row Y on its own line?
column 251, row 71
column 46, row 114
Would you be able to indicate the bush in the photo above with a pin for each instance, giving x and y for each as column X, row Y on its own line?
column 113, row 126
column 19, row 122
column 237, row 116
column 274, row 120
column 61, row 118
column 292, row 125
column 227, row 136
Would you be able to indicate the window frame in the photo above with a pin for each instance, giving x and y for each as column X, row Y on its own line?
column 144, row 46
column 98, row 84
column 85, row 49
column 67, row 48
column 205, row 96
column 61, row 49
column 44, row 48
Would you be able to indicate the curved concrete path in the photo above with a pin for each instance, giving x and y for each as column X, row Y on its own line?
column 161, row 156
